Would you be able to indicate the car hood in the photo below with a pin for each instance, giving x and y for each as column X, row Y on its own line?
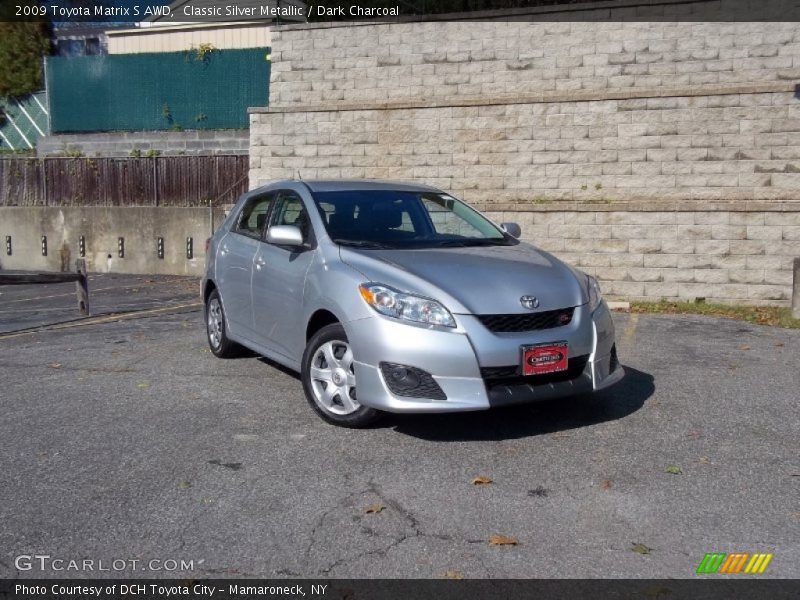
column 474, row 280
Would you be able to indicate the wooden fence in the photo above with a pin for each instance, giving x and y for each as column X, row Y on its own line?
column 146, row 181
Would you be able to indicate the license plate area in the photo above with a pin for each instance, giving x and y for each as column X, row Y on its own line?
column 550, row 357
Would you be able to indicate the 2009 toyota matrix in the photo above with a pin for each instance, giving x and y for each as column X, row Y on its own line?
column 398, row 297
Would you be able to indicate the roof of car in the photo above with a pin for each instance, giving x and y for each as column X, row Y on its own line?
column 344, row 185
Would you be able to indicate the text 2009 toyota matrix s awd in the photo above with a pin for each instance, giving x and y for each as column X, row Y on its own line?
column 398, row 297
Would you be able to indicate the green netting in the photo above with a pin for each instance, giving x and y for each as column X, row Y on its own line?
column 170, row 90
column 23, row 121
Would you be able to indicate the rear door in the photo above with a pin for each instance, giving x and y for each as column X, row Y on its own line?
column 279, row 278
column 235, row 257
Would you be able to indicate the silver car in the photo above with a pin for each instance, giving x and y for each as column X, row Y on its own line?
column 398, row 297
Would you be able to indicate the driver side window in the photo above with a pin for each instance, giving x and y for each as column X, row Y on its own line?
column 289, row 210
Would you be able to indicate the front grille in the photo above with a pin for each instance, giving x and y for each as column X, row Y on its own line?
column 417, row 383
column 511, row 375
column 528, row 321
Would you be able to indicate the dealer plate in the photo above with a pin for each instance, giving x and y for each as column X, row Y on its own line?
column 544, row 358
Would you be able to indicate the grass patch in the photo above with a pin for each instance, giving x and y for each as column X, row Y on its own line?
column 776, row 316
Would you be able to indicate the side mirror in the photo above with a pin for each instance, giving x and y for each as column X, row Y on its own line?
column 285, row 235
column 512, row 229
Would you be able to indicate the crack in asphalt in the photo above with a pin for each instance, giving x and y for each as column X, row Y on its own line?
column 320, row 521
column 407, row 515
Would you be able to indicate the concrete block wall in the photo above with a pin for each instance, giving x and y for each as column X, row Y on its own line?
column 731, row 146
column 129, row 143
column 439, row 60
column 662, row 156
column 102, row 226
column 740, row 254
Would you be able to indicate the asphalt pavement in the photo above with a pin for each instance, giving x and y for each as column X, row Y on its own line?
column 128, row 440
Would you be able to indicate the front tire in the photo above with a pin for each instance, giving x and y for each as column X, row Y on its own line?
column 329, row 379
column 216, row 331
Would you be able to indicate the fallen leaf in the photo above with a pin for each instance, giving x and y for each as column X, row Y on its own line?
column 695, row 434
column 481, row 480
column 704, row 460
column 673, row 470
column 744, row 347
column 374, row 509
column 142, row 386
column 640, row 548
column 502, row 540
column 184, row 485
column 54, row 365
column 606, row 484
column 453, row 575
column 779, row 345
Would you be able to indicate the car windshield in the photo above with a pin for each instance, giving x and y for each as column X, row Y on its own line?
column 405, row 219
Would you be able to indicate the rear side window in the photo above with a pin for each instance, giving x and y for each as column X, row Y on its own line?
column 254, row 216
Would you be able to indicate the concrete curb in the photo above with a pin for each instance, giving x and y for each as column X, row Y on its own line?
column 619, row 305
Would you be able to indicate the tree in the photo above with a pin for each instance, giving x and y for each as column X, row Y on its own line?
column 22, row 46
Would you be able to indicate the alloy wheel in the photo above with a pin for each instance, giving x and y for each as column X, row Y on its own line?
column 333, row 378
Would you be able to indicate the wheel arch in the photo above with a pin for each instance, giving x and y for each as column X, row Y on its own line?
column 319, row 319
column 209, row 287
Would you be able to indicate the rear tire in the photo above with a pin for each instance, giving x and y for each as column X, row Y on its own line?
column 216, row 329
column 329, row 379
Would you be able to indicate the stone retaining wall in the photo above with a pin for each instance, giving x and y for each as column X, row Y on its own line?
column 664, row 157
column 740, row 254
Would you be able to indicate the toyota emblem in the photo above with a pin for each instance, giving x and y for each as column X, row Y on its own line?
column 529, row 301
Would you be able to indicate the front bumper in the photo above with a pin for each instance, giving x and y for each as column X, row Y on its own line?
column 461, row 361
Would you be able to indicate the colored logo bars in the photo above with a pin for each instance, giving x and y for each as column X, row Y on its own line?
column 738, row 562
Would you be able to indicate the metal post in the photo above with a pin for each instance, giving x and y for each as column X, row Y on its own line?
column 43, row 169
column 796, row 290
column 155, row 181
column 82, row 287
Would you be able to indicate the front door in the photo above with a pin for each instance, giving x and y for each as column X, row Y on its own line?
column 278, row 279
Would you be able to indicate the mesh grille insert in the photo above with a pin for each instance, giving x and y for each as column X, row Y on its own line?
column 528, row 321
column 511, row 375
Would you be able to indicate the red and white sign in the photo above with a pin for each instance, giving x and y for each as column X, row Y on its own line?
column 544, row 358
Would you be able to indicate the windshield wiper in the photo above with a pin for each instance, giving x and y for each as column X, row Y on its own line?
column 470, row 242
column 361, row 244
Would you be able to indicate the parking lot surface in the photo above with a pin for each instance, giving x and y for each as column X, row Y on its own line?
column 129, row 440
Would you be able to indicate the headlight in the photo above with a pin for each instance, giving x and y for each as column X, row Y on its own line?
column 393, row 303
column 595, row 297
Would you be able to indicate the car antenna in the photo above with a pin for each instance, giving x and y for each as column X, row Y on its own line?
column 299, row 176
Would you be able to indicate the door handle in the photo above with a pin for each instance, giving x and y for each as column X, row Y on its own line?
column 224, row 249
column 260, row 262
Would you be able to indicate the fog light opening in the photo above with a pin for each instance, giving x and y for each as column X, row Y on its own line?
column 402, row 377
